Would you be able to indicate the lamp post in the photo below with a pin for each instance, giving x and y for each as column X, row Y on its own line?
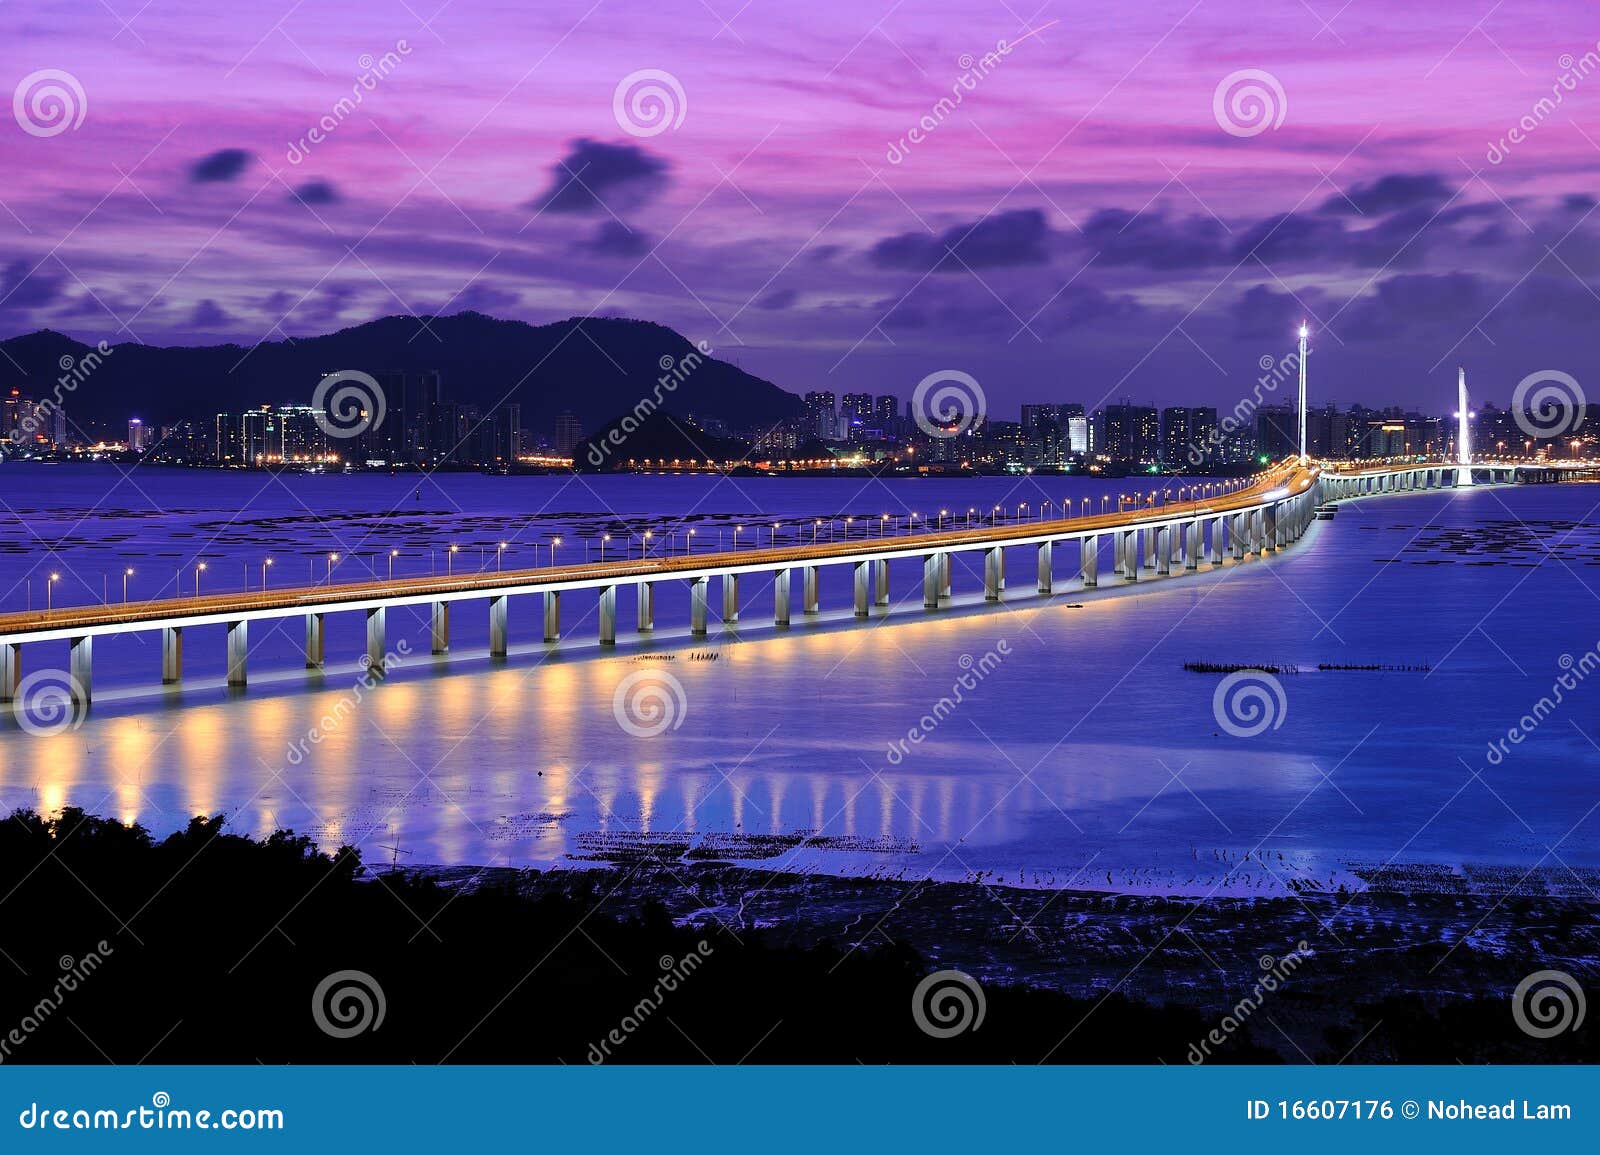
column 450, row 561
column 737, row 530
column 49, row 592
column 604, row 537
column 555, row 541
column 393, row 553
column 265, row 562
column 499, row 558
column 1304, row 332
column 198, row 570
column 126, row 574
column 333, row 559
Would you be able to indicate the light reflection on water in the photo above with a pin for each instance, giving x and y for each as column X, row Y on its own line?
column 1087, row 757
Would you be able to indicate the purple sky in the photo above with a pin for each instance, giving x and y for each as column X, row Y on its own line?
column 1081, row 227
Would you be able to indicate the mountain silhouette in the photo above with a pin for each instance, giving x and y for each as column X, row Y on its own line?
column 595, row 367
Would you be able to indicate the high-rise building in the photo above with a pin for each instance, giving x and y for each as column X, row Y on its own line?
column 227, row 447
column 886, row 412
column 138, row 436
column 568, row 432
column 1129, row 433
column 1038, row 415
column 1177, row 436
column 820, row 415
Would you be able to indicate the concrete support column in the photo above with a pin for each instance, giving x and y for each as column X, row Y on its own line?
column 780, row 598
column 439, row 627
column 1116, row 552
column 608, row 615
column 645, row 594
column 730, row 598
column 1046, row 567
column 861, row 573
column 1238, row 531
column 171, row 655
column 82, row 669
column 1161, row 539
column 697, row 607
column 1216, row 540
column 10, row 670
column 1172, row 533
column 991, row 574
column 881, row 588
column 1129, row 539
column 1191, row 544
column 316, row 641
column 808, row 589
column 1147, row 544
column 375, row 639
column 238, row 652
column 1089, row 560
column 498, row 631
column 932, row 576
column 552, row 615
column 945, row 566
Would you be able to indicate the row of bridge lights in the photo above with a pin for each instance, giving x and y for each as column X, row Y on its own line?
column 888, row 525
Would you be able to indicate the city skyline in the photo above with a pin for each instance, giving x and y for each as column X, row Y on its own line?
column 1137, row 230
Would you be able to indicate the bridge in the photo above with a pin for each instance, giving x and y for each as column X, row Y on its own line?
column 1261, row 516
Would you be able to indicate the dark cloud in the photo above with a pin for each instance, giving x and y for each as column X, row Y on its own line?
column 615, row 239
column 1149, row 240
column 1019, row 237
column 210, row 315
column 595, row 176
column 778, row 299
column 316, row 192
column 21, row 291
column 1578, row 202
column 1389, row 194
column 223, row 165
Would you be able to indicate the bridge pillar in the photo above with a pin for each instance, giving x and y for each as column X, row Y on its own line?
column 647, row 606
column 375, row 640
column 316, row 641
column 552, row 615
column 1148, row 541
column 1173, row 532
column 697, row 607
column 730, row 598
column 1046, row 567
column 1116, row 552
column 861, row 574
column 932, row 578
column 238, row 651
column 499, row 632
column 780, row 598
column 1161, row 539
column 1216, row 540
column 439, row 627
column 1129, row 543
column 1089, row 560
column 1191, row 545
column 608, row 615
column 81, row 667
column 945, row 566
column 808, row 590
column 1239, row 534
column 10, row 670
column 171, row 655
column 881, row 588
column 991, row 574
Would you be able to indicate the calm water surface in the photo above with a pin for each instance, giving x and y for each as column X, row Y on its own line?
column 1082, row 754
